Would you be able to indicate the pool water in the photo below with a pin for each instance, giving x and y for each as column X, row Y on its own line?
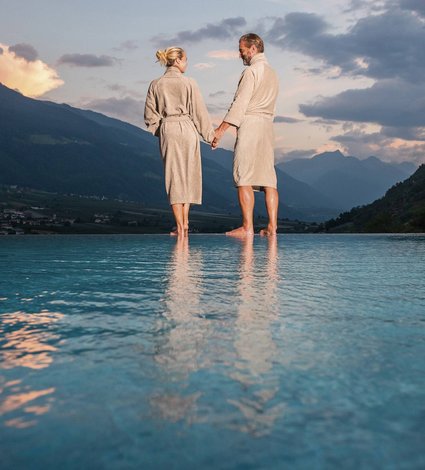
column 143, row 351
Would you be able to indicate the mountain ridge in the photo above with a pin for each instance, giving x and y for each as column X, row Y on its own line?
column 56, row 147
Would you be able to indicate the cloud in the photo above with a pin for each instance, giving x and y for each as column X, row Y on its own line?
column 405, row 133
column 355, row 5
column 129, row 45
column 225, row 29
column 125, row 91
column 285, row 119
column 218, row 94
column 294, row 154
column 417, row 6
column 223, row 54
column 203, row 66
column 217, row 108
column 116, row 87
column 327, row 123
column 363, row 145
column 127, row 109
column 387, row 45
column 375, row 6
column 87, row 60
column 224, row 99
column 25, row 51
column 31, row 78
column 393, row 103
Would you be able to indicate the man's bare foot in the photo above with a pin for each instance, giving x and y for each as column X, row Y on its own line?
column 240, row 232
column 268, row 232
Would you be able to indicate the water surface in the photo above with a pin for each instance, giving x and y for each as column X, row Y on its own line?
column 141, row 351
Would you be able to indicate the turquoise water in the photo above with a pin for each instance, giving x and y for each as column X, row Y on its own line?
column 143, row 352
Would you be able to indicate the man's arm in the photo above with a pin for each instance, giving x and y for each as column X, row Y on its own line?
column 238, row 107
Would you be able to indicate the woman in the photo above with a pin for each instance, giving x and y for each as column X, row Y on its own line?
column 176, row 113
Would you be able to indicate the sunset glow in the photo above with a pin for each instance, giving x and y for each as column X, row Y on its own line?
column 31, row 78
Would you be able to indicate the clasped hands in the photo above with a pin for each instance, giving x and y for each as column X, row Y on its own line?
column 218, row 134
column 216, row 139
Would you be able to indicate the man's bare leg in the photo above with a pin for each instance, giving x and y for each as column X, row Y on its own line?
column 272, row 204
column 246, row 203
column 178, row 213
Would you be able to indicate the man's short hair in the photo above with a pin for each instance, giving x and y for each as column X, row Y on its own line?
column 252, row 38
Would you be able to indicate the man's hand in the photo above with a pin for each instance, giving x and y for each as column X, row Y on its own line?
column 218, row 134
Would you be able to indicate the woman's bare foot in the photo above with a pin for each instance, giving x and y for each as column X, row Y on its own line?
column 240, row 232
column 178, row 233
column 268, row 232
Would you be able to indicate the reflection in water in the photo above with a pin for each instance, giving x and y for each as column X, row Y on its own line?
column 26, row 337
column 246, row 353
column 179, row 352
column 25, row 343
column 20, row 399
column 253, row 342
column 174, row 407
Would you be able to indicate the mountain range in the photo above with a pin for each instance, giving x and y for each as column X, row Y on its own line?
column 60, row 148
column 347, row 181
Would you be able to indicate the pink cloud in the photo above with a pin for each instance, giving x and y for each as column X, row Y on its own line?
column 223, row 54
column 31, row 78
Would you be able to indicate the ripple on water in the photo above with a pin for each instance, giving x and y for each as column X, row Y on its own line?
column 302, row 351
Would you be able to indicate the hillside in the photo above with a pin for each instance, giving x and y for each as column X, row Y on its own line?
column 62, row 149
column 401, row 210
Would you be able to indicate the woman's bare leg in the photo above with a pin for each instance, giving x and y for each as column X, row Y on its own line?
column 178, row 212
column 186, row 208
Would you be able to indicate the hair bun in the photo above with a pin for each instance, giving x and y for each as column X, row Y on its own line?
column 168, row 56
column 161, row 55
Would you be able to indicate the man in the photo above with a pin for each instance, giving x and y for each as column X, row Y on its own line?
column 252, row 113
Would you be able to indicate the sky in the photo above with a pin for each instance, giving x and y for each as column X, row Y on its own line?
column 352, row 72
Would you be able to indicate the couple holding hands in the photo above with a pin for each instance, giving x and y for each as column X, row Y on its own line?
column 175, row 112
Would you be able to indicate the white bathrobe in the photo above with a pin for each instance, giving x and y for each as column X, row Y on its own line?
column 175, row 111
column 252, row 112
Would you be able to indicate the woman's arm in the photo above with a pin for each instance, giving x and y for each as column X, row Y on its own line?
column 152, row 117
column 199, row 114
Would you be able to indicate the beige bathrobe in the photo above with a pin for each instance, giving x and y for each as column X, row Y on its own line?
column 175, row 111
column 252, row 112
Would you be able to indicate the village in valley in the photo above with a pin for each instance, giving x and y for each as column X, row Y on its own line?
column 19, row 217
column 25, row 211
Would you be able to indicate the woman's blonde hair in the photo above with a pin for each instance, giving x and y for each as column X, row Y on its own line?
column 168, row 56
